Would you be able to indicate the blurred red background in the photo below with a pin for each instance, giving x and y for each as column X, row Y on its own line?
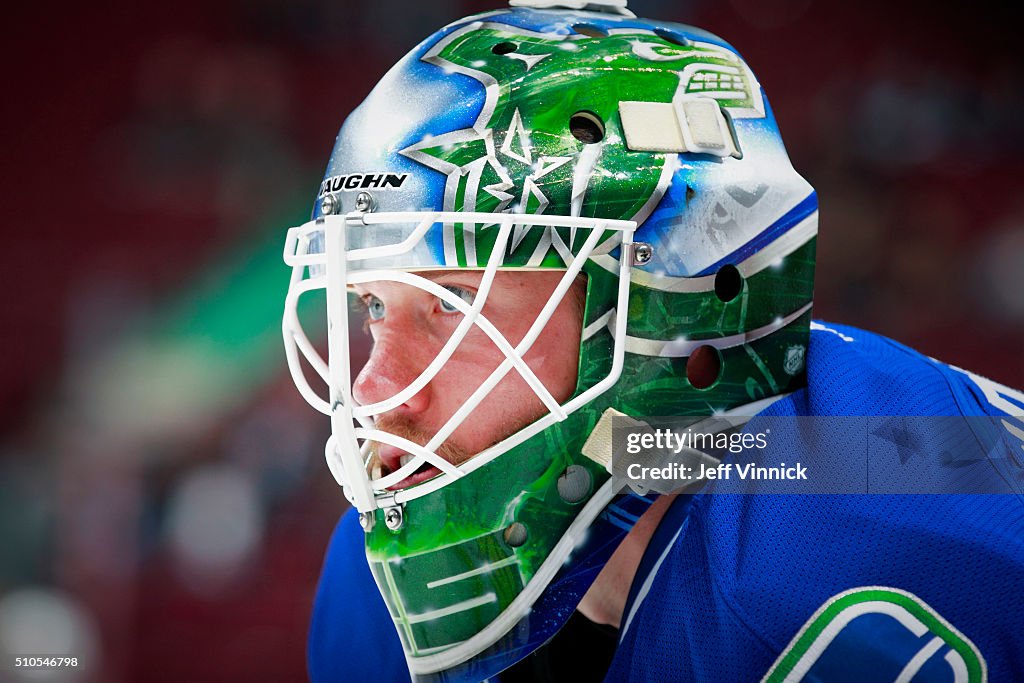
column 163, row 502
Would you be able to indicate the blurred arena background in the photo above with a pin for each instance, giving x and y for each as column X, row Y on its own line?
column 164, row 506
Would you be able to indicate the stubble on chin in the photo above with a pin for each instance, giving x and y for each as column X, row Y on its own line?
column 452, row 452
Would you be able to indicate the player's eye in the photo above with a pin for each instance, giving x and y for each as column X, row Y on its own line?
column 374, row 307
column 466, row 295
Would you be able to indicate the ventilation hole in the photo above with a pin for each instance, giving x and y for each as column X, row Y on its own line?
column 504, row 48
column 586, row 127
column 703, row 367
column 515, row 534
column 590, row 31
column 574, row 484
column 728, row 283
column 690, row 194
column 672, row 37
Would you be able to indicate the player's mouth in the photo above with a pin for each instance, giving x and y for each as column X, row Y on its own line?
column 390, row 459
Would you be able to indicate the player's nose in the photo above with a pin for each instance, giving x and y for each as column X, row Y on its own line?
column 395, row 363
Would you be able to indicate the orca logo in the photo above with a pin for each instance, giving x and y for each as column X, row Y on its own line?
column 878, row 633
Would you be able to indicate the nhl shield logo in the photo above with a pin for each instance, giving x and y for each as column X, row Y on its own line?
column 794, row 361
column 876, row 633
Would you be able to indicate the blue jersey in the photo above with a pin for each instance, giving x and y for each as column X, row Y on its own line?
column 792, row 587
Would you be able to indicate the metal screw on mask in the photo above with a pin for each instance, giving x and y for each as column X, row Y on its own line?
column 330, row 205
column 365, row 203
column 366, row 520
column 393, row 518
column 642, row 253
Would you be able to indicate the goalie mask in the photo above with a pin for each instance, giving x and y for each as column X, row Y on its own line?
column 635, row 160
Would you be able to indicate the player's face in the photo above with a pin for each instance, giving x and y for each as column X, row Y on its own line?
column 409, row 326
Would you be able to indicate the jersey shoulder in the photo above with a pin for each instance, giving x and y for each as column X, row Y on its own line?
column 854, row 372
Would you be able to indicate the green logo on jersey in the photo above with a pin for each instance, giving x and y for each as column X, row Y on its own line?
column 830, row 629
